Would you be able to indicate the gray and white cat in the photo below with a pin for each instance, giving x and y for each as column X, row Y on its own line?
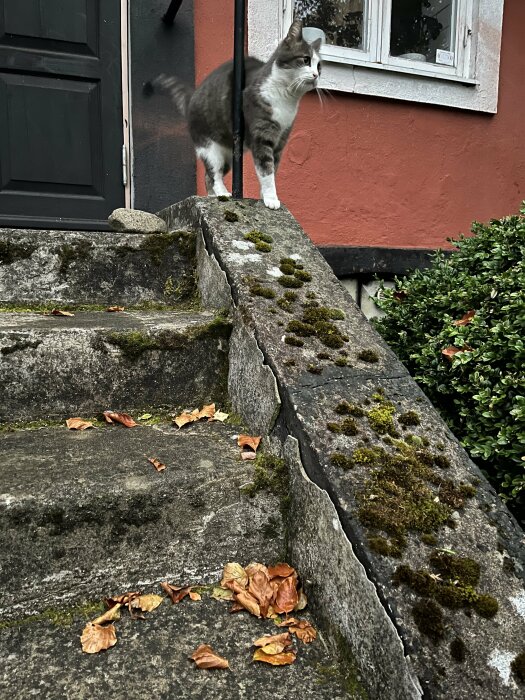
column 271, row 99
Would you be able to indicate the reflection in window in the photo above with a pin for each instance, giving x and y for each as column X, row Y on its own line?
column 420, row 27
column 341, row 20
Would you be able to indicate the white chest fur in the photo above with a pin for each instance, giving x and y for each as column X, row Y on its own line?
column 284, row 106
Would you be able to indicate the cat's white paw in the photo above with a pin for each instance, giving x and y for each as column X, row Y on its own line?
column 271, row 202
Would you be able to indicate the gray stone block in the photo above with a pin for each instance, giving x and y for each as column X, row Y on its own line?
column 136, row 221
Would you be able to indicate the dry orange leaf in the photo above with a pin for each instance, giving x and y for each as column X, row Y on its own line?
column 207, row 411
column 249, row 441
column 115, row 308
column 205, row 657
column 282, row 659
column 177, row 593
column 283, row 638
column 124, row 599
column 466, row 319
column 78, row 424
column 286, row 598
column 109, row 616
column 452, row 350
column 195, row 596
column 97, row 637
column 301, row 628
column 59, row 312
column 123, row 418
column 281, row 569
column 147, row 603
column 261, row 589
column 234, row 574
column 248, row 602
column 159, row 466
column 195, row 415
column 184, row 418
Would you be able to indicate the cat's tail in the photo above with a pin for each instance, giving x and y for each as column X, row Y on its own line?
column 179, row 92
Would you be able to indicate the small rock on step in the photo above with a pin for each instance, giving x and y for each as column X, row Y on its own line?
column 136, row 221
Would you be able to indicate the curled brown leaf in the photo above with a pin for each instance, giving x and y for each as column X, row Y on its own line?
column 283, row 638
column 113, row 309
column 281, row 659
column 466, row 319
column 286, row 597
column 78, row 424
column 147, row 603
column 234, row 574
column 205, row 657
column 123, row 418
column 109, row 616
column 59, row 312
column 97, row 637
column 176, row 593
column 281, row 569
column 159, row 466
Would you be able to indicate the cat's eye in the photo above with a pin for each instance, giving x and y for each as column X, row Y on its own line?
column 307, row 60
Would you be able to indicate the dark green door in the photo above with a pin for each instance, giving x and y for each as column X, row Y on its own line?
column 60, row 113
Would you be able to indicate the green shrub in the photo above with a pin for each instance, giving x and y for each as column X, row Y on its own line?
column 480, row 391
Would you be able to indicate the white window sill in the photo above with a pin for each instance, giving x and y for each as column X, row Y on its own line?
column 477, row 93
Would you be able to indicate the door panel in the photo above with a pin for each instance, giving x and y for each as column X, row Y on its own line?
column 60, row 113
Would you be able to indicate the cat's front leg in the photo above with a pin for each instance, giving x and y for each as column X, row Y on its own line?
column 265, row 168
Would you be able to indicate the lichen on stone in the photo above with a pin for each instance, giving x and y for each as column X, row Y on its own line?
column 340, row 460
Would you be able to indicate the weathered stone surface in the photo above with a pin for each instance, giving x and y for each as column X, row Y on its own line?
column 136, row 221
column 370, row 376
column 58, row 366
column 151, row 660
column 84, row 514
column 73, row 267
column 344, row 596
column 214, row 290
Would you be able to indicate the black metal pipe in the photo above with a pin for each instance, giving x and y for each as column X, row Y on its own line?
column 171, row 12
column 238, row 87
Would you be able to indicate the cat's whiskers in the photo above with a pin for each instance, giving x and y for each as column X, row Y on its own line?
column 319, row 96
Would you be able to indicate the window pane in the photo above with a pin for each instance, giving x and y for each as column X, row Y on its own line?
column 419, row 28
column 341, row 20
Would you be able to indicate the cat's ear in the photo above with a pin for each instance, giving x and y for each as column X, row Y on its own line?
column 295, row 33
column 316, row 45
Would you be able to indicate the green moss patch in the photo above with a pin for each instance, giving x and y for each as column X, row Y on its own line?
column 10, row 252
column 70, row 253
column 409, row 418
column 230, row 216
column 458, row 650
column 290, row 281
column 340, row 460
column 344, row 408
column 429, row 619
column 368, row 356
column 258, row 290
column 270, row 474
column 60, row 617
column 262, row 241
column 518, row 666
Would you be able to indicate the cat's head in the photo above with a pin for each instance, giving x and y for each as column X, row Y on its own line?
column 298, row 61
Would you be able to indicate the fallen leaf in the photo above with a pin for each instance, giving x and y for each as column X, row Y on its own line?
column 115, row 308
column 59, row 312
column 253, row 567
column 195, row 415
column 124, row 599
column 159, row 466
column 78, row 424
column 184, row 418
column 147, row 603
column 281, row 569
column 176, row 593
column 222, row 593
column 145, row 416
column 219, row 415
column 124, row 418
column 452, row 350
column 466, row 319
column 302, row 601
column 97, row 637
column 283, row 638
column 205, row 657
column 249, row 441
column 288, row 621
column 286, row 598
column 236, row 607
column 195, row 596
column 207, row 411
column 282, row 659
column 259, row 587
column 248, row 602
column 234, row 573
column 301, row 628
column 109, row 616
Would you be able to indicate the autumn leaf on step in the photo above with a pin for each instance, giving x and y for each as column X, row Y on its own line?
column 97, row 637
column 301, row 628
column 248, row 602
column 466, row 319
column 260, row 588
column 302, row 600
column 220, row 593
column 234, row 576
column 205, row 657
column 78, row 424
column 109, row 616
column 220, row 416
column 194, row 596
column 286, row 598
column 207, row 411
column 159, row 466
column 113, row 309
column 284, row 658
column 284, row 638
column 248, row 445
column 147, row 602
column 195, row 415
column 59, row 312
column 281, row 569
column 124, row 599
column 184, row 418
column 124, row 418
column 177, row 593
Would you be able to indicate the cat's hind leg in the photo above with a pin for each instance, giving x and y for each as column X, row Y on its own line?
column 216, row 159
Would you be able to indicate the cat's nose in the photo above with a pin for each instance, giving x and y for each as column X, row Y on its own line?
column 315, row 75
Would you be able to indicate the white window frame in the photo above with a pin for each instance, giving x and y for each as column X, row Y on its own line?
column 472, row 83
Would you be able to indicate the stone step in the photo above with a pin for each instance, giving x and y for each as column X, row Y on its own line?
column 47, row 268
column 84, row 514
column 53, row 366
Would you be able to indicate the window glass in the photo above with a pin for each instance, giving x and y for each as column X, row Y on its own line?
column 342, row 21
column 423, row 30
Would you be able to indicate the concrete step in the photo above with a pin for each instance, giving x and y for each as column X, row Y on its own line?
column 84, row 514
column 46, row 268
column 54, row 366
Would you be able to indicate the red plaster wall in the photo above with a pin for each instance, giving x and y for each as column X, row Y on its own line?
column 365, row 171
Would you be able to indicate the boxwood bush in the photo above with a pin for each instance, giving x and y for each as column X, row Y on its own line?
column 478, row 382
